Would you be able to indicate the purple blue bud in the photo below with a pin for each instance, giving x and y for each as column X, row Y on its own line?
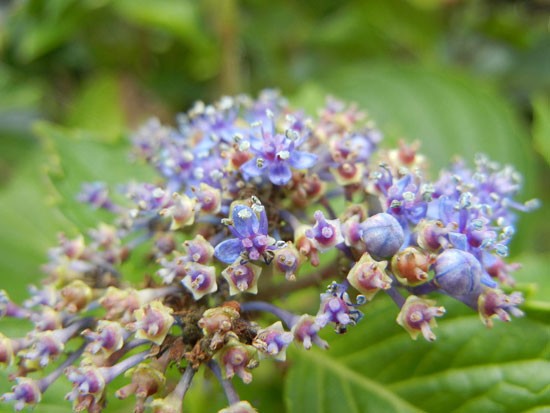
column 382, row 234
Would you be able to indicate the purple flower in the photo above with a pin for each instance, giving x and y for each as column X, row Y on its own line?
column 273, row 341
column 25, row 392
column 275, row 154
column 326, row 233
column 249, row 226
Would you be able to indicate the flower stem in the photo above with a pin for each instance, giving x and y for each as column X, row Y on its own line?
column 287, row 317
column 230, row 392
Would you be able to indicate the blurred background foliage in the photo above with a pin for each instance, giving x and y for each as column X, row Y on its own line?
column 461, row 76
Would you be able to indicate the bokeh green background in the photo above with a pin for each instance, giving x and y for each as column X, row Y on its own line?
column 76, row 76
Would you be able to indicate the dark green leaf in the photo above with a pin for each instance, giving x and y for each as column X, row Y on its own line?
column 469, row 368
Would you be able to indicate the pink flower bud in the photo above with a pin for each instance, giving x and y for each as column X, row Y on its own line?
column 411, row 266
column 153, row 322
column 200, row 280
column 182, row 211
column 418, row 316
column 236, row 359
column 494, row 303
column 369, row 276
column 242, row 277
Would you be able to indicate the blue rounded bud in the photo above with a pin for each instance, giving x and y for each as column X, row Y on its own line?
column 458, row 273
column 382, row 234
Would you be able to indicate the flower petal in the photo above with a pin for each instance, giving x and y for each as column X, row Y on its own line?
column 245, row 221
column 302, row 160
column 250, row 169
column 229, row 250
column 279, row 173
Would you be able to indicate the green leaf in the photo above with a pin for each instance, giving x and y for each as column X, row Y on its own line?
column 317, row 383
column 75, row 157
column 450, row 113
column 177, row 17
column 29, row 226
column 468, row 368
column 37, row 28
column 98, row 108
column 541, row 126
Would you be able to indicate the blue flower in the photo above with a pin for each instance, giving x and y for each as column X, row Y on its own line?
column 275, row 154
column 249, row 226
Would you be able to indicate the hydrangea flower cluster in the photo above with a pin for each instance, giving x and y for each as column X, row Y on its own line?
column 248, row 193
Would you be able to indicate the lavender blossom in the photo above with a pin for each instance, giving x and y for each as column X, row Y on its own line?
column 249, row 226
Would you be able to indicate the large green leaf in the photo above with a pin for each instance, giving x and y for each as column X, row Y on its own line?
column 377, row 367
column 318, row 383
column 450, row 113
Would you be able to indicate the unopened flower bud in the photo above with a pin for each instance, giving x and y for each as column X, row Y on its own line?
column 218, row 319
column 382, row 235
column 458, row 273
column 120, row 303
column 74, row 296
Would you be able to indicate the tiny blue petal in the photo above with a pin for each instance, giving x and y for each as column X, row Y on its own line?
column 302, row 160
column 279, row 173
column 229, row 250
column 245, row 221
column 250, row 169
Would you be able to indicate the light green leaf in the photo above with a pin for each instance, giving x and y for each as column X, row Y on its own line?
column 76, row 157
column 98, row 108
column 177, row 17
column 451, row 114
column 541, row 126
column 29, row 226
